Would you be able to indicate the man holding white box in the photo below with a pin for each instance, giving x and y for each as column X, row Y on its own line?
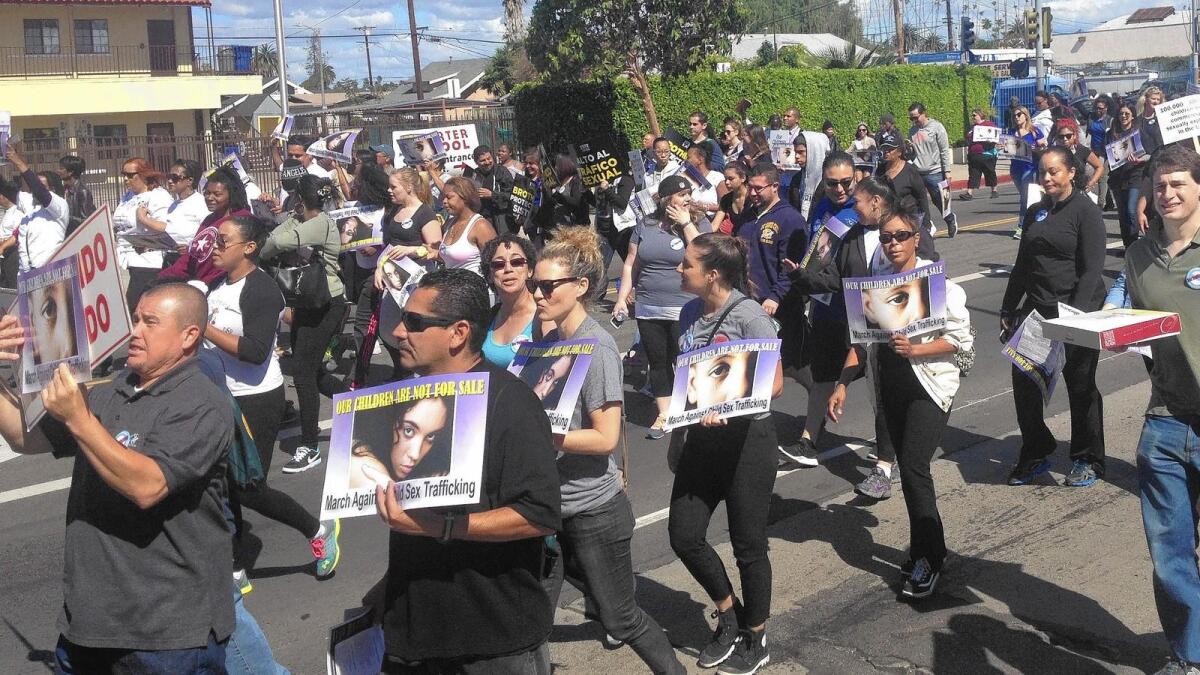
column 1163, row 273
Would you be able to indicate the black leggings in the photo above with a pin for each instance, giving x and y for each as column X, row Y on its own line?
column 660, row 341
column 263, row 413
column 981, row 165
column 915, row 422
column 312, row 329
column 368, row 306
column 735, row 464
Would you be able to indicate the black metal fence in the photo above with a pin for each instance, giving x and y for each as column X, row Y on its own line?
column 166, row 60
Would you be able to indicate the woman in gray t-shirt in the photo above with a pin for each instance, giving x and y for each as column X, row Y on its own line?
column 597, row 519
column 655, row 251
column 730, row 460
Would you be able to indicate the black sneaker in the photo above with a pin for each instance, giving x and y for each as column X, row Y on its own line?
column 1022, row 474
column 303, row 459
column 804, row 452
column 724, row 638
column 749, row 654
column 922, row 580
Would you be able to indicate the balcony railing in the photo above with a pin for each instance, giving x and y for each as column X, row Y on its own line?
column 170, row 60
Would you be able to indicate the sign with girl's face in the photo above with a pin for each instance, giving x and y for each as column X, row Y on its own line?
column 555, row 372
column 910, row 303
column 732, row 379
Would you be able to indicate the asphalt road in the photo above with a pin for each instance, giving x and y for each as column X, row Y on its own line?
column 296, row 610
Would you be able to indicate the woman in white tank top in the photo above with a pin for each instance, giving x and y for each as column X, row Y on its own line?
column 466, row 231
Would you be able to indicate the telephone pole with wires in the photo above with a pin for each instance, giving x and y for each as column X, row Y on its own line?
column 366, row 31
column 416, row 50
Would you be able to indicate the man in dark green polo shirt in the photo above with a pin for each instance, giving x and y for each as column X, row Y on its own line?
column 147, row 552
column 1162, row 272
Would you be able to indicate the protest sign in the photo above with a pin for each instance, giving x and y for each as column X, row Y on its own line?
column 1125, row 150
column 637, row 164
column 985, row 134
column 150, row 241
column 520, row 203
column 598, row 161
column 1179, row 120
column 401, row 276
column 425, row 434
column 1036, row 356
column 555, row 371
column 679, row 144
column 5, row 135
column 422, row 148
column 105, row 315
column 50, row 309
column 910, row 303
column 731, row 379
column 783, row 154
column 358, row 226
column 460, row 141
column 356, row 647
column 822, row 248
column 546, row 164
column 1014, row 147
column 698, row 179
column 337, row 146
column 947, row 199
column 283, row 130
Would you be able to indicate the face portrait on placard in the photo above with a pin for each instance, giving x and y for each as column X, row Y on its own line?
column 52, row 322
column 547, row 376
column 425, row 149
column 394, row 275
column 823, row 252
column 337, row 142
column 896, row 307
column 402, row 442
column 727, row 377
column 353, row 228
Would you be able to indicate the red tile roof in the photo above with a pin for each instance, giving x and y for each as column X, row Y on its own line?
column 190, row 3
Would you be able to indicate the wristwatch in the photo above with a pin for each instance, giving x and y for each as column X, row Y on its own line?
column 447, row 527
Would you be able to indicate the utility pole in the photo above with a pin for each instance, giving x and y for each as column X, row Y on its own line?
column 1037, row 48
column 283, row 86
column 1195, row 28
column 949, row 28
column 898, row 10
column 412, row 34
column 366, row 31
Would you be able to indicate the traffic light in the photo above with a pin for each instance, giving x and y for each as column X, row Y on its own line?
column 967, row 37
column 1032, row 34
column 1046, row 27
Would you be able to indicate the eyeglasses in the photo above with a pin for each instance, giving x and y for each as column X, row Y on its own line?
column 516, row 263
column 914, row 117
column 901, row 236
column 222, row 244
column 1021, row 114
column 845, row 183
column 419, row 323
column 547, row 286
column 758, row 188
column 129, row 174
column 1126, row 113
column 175, row 177
column 1066, row 137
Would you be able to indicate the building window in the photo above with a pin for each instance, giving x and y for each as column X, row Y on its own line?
column 42, row 140
column 91, row 36
column 41, row 36
column 110, row 136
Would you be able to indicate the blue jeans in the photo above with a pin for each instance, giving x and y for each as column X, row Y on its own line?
column 1127, row 213
column 72, row 659
column 1022, row 177
column 1168, row 460
column 248, row 652
column 597, row 559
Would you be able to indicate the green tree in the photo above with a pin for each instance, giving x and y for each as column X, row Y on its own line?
column 804, row 16
column 576, row 39
column 766, row 54
column 509, row 67
column 853, row 56
column 315, row 61
column 264, row 60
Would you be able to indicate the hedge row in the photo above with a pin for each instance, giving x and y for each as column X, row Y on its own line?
column 562, row 113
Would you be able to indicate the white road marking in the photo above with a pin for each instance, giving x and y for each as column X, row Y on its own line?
column 34, row 490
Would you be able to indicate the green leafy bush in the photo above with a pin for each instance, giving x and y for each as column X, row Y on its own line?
column 562, row 113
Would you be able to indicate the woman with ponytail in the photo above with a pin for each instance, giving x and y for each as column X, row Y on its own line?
column 730, row 460
column 312, row 328
column 597, row 519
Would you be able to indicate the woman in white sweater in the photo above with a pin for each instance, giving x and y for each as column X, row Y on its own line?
column 918, row 378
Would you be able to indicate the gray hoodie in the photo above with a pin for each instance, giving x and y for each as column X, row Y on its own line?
column 932, row 147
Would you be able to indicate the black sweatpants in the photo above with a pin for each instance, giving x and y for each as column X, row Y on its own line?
column 981, row 165
column 735, row 464
column 264, row 413
column 915, row 424
column 312, row 329
column 660, row 341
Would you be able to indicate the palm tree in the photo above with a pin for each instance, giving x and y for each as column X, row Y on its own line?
column 514, row 21
column 264, row 61
column 854, row 57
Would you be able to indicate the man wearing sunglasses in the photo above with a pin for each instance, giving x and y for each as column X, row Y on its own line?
column 463, row 590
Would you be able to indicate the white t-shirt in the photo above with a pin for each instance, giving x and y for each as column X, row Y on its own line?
column 157, row 202
column 184, row 217
column 709, row 196
column 40, row 230
column 318, row 171
column 252, row 303
column 8, row 223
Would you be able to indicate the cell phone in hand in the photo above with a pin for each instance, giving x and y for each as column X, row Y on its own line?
column 617, row 320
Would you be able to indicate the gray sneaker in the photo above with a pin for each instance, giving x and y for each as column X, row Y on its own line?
column 877, row 485
column 1178, row 667
column 1083, row 474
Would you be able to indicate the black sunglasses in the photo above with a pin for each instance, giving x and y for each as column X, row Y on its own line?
column 419, row 323
column 222, row 244
column 129, row 174
column 515, row 263
column 845, row 183
column 175, row 177
column 901, row 236
column 547, row 286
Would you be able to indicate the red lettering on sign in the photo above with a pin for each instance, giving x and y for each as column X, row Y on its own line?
column 97, row 319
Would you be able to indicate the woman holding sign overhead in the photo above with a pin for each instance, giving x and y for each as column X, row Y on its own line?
column 1060, row 260
column 597, row 519
column 730, row 460
column 920, row 377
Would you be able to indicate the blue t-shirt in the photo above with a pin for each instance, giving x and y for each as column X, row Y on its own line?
column 502, row 355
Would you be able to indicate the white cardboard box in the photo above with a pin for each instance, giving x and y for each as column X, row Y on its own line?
column 1107, row 329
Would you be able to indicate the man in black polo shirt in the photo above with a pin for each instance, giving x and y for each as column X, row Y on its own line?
column 495, row 188
column 147, row 554
column 463, row 589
